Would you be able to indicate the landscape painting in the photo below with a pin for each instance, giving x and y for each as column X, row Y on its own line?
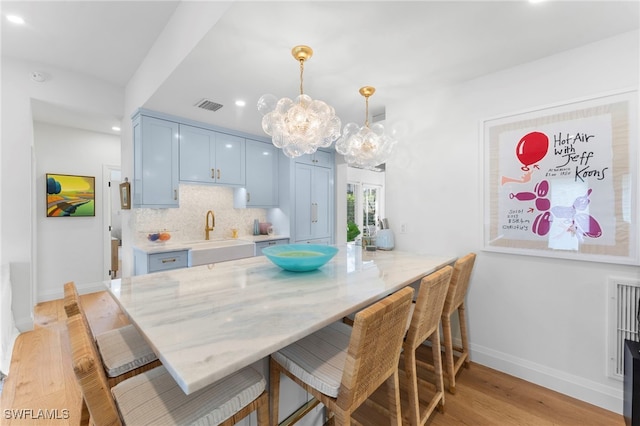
column 70, row 195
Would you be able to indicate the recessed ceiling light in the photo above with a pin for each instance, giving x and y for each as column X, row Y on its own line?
column 15, row 19
column 240, row 103
column 115, row 128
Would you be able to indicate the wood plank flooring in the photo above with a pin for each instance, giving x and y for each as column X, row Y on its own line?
column 41, row 378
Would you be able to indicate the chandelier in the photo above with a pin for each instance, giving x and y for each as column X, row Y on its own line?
column 365, row 147
column 302, row 125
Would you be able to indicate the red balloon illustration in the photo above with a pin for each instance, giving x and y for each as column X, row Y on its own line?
column 532, row 148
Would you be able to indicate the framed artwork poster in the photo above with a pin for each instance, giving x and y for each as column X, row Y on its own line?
column 125, row 195
column 562, row 181
column 70, row 195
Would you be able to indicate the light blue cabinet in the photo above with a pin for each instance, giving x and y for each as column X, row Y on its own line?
column 146, row 263
column 269, row 243
column 155, row 156
column 207, row 156
column 318, row 158
column 261, row 174
column 313, row 195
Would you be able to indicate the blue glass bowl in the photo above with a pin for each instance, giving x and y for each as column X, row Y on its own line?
column 300, row 257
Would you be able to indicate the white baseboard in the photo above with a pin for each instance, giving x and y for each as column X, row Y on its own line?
column 607, row 397
column 24, row 324
column 82, row 289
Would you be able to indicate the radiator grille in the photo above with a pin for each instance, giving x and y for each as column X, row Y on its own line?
column 623, row 321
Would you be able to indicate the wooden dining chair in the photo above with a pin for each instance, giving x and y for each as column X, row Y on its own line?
column 425, row 325
column 458, row 286
column 341, row 366
column 420, row 395
column 154, row 398
column 123, row 351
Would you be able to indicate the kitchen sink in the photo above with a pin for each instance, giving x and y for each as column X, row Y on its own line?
column 205, row 252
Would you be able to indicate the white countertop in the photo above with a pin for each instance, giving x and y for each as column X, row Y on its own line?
column 162, row 247
column 209, row 321
column 261, row 238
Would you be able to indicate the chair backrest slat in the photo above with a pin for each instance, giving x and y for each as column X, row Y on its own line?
column 71, row 299
column 459, row 283
column 90, row 375
column 374, row 347
column 73, row 306
column 428, row 308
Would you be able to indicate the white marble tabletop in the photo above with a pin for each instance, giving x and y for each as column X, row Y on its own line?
column 209, row 321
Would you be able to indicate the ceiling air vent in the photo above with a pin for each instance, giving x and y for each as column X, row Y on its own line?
column 209, row 105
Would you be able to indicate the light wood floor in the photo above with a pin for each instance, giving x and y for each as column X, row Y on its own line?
column 41, row 378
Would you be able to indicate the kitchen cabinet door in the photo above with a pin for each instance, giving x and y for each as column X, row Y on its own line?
column 318, row 158
column 207, row 156
column 321, row 185
column 197, row 154
column 155, row 152
column 230, row 159
column 261, row 174
column 264, row 244
column 313, row 202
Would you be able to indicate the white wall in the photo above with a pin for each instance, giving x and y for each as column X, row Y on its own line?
column 69, row 90
column 70, row 248
column 538, row 318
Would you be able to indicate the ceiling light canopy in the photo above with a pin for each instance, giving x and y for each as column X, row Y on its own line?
column 365, row 147
column 302, row 125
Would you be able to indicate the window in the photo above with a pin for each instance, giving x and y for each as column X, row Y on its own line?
column 365, row 202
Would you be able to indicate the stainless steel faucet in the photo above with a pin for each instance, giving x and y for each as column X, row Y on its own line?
column 208, row 228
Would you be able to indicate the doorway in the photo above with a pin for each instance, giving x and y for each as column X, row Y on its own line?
column 112, row 222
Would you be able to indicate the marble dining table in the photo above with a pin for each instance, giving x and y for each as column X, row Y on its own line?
column 208, row 321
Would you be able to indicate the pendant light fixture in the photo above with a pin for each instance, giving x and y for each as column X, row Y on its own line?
column 365, row 147
column 302, row 125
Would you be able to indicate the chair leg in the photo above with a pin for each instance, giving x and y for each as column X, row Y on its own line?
column 412, row 386
column 448, row 353
column 437, row 366
column 85, row 417
column 274, row 391
column 393, row 395
column 463, row 334
column 341, row 418
column 263, row 411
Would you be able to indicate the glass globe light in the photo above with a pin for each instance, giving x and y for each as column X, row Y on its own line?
column 365, row 147
column 302, row 125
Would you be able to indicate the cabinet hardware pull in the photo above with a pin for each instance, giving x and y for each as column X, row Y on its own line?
column 218, row 174
column 271, row 243
column 248, row 197
column 169, row 260
column 213, row 174
column 175, row 194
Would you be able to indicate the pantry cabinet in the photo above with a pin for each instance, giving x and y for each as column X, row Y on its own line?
column 207, row 156
column 313, row 198
column 155, row 157
column 313, row 202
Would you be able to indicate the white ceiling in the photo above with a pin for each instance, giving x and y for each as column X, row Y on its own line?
column 398, row 47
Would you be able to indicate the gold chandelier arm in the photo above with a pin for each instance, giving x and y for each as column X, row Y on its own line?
column 367, row 91
column 366, row 116
column 301, row 73
column 301, row 53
